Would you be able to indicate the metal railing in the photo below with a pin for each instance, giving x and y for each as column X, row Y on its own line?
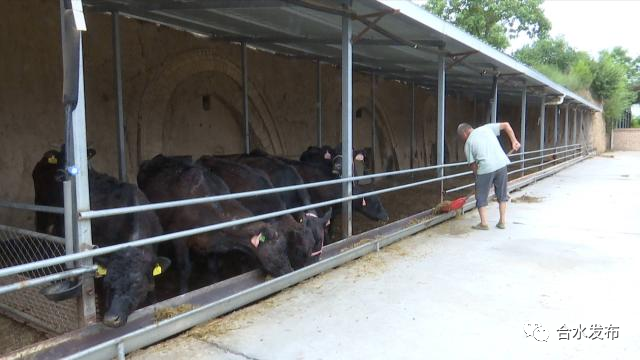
column 573, row 148
column 94, row 214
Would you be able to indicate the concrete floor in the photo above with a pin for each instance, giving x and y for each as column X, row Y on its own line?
column 452, row 293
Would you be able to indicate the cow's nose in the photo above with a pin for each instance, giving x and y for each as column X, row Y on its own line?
column 113, row 320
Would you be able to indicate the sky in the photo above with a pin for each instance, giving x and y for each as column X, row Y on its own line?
column 591, row 26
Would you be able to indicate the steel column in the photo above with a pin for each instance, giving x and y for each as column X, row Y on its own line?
column 347, row 131
column 575, row 126
column 542, row 123
column 319, row 103
column 556, row 110
column 374, row 130
column 523, row 124
column 245, row 100
column 581, row 133
column 441, row 114
column 77, row 159
column 412, row 145
column 494, row 101
column 566, row 125
column 117, row 80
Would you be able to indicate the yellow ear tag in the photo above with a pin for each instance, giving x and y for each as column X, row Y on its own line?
column 52, row 160
column 157, row 270
column 102, row 271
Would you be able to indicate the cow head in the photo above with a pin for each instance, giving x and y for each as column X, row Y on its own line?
column 270, row 247
column 300, row 241
column 129, row 278
column 370, row 206
column 319, row 226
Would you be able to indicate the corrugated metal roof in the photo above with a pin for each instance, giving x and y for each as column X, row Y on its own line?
column 396, row 38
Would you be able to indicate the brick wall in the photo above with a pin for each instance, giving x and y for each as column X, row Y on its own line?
column 626, row 139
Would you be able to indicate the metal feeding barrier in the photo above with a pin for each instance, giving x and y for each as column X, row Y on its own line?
column 100, row 343
column 29, row 260
column 60, row 258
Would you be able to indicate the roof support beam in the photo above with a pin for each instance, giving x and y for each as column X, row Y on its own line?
column 245, row 99
column 347, row 133
column 117, row 84
column 441, row 113
column 523, row 125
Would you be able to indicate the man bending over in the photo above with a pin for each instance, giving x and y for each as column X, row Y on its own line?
column 489, row 164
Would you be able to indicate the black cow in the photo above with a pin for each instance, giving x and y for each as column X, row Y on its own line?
column 303, row 240
column 282, row 174
column 370, row 206
column 129, row 280
column 331, row 158
column 164, row 179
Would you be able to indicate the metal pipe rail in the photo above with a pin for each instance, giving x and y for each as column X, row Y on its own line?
column 55, row 239
column 539, row 150
column 541, row 157
column 184, row 233
column 166, row 237
column 159, row 330
column 31, row 207
column 547, row 163
column 45, row 279
column 93, row 214
column 521, row 169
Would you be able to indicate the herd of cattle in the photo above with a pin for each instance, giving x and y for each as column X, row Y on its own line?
column 277, row 245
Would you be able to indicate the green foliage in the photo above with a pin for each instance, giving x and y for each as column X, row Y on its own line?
column 548, row 51
column 635, row 122
column 494, row 21
column 611, row 84
column 560, row 62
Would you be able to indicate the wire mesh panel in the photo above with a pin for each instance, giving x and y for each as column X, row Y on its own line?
column 18, row 246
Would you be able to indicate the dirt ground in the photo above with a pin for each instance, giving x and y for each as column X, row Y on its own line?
column 15, row 335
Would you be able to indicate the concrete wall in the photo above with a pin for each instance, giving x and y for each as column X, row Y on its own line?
column 626, row 140
column 182, row 95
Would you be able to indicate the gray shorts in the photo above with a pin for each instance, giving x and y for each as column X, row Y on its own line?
column 498, row 179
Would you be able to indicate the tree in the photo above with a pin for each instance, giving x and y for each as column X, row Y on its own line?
column 611, row 84
column 494, row 21
column 548, row 51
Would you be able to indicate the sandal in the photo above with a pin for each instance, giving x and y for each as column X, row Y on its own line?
column 480, row 227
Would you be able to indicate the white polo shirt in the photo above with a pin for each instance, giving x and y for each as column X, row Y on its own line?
column 483, row 147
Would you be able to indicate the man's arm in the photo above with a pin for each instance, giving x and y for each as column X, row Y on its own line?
column 506, row 127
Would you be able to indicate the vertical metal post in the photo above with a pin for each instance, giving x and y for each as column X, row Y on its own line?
column 412, row 145
column 475, row 109
column 542, row 121
column 319, row 102
column 347, row 131
column 77, row 162
column 441, row 114
column 575, row 126
column 523, row 125
column 566, row 125
column 245, row 100
column 117, row 77
column 581, row 137
column 374, row 130
column 556, row 111
column 494, row 102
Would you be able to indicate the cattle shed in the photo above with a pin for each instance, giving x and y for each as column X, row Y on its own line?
column 193, row 77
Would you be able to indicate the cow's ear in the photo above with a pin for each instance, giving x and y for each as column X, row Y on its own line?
column 161, row 265
column 326, row 219
column 256, row 240
column 90, row 153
